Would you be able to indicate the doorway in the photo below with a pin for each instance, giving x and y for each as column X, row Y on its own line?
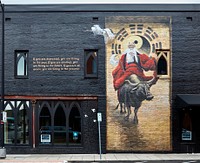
column 190, row 135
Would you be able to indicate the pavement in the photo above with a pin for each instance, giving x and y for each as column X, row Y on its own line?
column 110, row 157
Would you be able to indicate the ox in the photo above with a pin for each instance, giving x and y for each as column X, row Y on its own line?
column 132, row 93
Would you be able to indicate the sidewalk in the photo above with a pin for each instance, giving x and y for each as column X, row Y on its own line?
column 64, row 158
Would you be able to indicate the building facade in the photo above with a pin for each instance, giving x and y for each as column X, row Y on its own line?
column 66, row 63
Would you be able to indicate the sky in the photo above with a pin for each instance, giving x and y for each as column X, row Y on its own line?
column 100, row 1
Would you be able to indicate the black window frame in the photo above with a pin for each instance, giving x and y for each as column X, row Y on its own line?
column 87, row 54
column 25, row 53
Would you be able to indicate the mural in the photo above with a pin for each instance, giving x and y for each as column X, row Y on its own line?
column 138, row 84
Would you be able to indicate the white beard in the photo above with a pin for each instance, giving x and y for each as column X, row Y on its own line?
column 131, row 55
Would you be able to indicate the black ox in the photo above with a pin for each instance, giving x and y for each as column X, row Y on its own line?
column 132, row 93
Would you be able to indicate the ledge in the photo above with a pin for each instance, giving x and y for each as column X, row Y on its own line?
column 102, row 7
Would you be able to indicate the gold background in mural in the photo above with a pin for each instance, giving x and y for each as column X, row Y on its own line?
column 153, row 131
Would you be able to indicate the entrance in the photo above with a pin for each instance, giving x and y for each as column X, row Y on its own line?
column 189, row 129
column 190, row 135
column 196, row 122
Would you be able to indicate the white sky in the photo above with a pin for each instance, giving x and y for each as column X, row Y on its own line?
column 100, row 1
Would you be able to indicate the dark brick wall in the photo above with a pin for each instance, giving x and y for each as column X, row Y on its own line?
column 52, row 35
column 185, row 66
column 66, row 34
column 185, row 56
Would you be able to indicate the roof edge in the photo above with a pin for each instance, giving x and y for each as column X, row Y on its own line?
column 100, row 7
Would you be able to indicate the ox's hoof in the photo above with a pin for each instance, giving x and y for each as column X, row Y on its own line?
column 122, row 112
column 126, row 118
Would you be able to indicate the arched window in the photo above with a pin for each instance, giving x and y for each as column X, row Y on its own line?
column 74, row 126
column 21, row 68
column 59, row 126
column 45, row 117
column 90, row 63
column 162, row 66
column 59, row 123
column 45, row 126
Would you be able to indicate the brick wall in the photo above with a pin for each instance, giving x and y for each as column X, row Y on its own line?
column 66, row 34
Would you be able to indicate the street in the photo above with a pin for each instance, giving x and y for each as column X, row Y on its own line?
column 152, row 161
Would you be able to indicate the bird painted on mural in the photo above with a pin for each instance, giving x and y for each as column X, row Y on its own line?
column 107, row 33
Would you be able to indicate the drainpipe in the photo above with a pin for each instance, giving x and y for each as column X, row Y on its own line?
column 2, row 148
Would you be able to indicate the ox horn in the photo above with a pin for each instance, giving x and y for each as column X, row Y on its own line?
column 133, row 84
column 151, row 82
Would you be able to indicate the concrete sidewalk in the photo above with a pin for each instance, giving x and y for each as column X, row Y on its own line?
column 64, row 158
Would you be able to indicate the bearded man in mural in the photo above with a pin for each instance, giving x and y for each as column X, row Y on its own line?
column 132, row 62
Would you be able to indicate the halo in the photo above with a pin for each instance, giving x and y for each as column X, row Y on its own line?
column 133, row 38
column 138, row 41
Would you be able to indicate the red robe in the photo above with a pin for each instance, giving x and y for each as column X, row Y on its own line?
column 124, row 70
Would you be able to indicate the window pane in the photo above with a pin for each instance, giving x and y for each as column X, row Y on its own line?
column 21, row 63
column 59, row 126
column 45, row 126
column 22, row 129
column 94, row 67
column 186, row 126
column 16, row 128
column 91, row 63
column 21, row 66
column 9, row 126
column 162, row 66
column 74, row 127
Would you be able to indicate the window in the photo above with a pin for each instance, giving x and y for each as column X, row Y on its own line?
column 59, row 126
column 186, row 125
column 91, row 63
column 21, row 64
column 22, row 123
column 45, row 125
column 9, row 126
column 59, row 123
column 74, row 126
column 16, row 130
column 163, row 66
